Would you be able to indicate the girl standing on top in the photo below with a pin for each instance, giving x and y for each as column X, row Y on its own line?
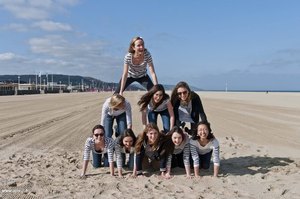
column 135, row 66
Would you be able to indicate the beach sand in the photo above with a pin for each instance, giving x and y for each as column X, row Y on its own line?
column 42, row 139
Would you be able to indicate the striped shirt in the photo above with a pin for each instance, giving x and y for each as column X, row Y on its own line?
column 137, row 71
column 163, row 106
column 183, row 147
column 106, row 110
column 119, row 150
column 90, row 146
column 197, row 149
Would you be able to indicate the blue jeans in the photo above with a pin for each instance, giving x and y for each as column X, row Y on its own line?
column 204, row 160
column 97, row 160
column 121, row 125
column 130, row 161
column 165, row 116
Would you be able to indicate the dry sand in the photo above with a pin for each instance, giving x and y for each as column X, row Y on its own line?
column 42, row 138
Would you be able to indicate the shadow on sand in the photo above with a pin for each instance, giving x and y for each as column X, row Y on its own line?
column 251, row 165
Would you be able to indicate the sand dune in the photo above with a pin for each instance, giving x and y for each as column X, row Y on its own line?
column 42, row 138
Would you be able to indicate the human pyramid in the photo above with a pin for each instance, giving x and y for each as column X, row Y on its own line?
column 177, row 145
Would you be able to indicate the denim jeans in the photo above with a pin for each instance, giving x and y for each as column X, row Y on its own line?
column 97, row 160
column 130, row 161
column 204, row 160
column 121, row 125
column 165, row 116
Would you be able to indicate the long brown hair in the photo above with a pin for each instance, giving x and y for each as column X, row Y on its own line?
column 127, row 133
column 174, row 95
column 147, row 97
column 143, row 137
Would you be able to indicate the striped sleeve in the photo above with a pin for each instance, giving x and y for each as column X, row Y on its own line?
column 216, row 152
column 127, row 58
column 128, row 113
column 194, row 152
column 169, row 161
column 87, row 148
column 148, row 57
column 109, row 144
column 186, row 154
column 118, row 150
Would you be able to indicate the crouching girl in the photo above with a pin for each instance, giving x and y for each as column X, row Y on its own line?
column 151, row 149
column 181, row 153
column 203, row 146
column 124, row 146
column 102, row 148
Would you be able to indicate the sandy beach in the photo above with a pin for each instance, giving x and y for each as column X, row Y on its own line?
column 42, row 139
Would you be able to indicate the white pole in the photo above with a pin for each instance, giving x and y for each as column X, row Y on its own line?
column 18, row 82
column 52, row 81
column 36, row 81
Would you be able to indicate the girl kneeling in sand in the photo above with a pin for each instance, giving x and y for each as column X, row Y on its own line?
column 187, row 107
column 151, row 150
column 124, row 146
column 156, row 102
column 101, row 147
column 181, row 151
column 203, row 145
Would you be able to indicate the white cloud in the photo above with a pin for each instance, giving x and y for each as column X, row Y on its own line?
column 35, row 9
column 7, row 56
column 16, row 27
column 52, row 26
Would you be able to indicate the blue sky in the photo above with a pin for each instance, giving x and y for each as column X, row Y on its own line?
column 248, row 44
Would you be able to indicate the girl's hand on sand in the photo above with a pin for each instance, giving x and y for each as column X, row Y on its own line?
column 189, row 177
column 166, row 176
column 82, row 176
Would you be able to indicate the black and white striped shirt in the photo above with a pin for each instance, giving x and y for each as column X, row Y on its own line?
column 197, row 149
column 137, row 71
column 183, row 147
column 90, row 146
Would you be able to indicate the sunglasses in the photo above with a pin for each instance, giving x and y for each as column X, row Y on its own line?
column 182, row 93
column 100, row 134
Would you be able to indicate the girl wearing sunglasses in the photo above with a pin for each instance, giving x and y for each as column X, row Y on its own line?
column 187, row 107
column 101, row 147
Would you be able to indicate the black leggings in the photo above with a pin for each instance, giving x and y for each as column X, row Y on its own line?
column 145, row 81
